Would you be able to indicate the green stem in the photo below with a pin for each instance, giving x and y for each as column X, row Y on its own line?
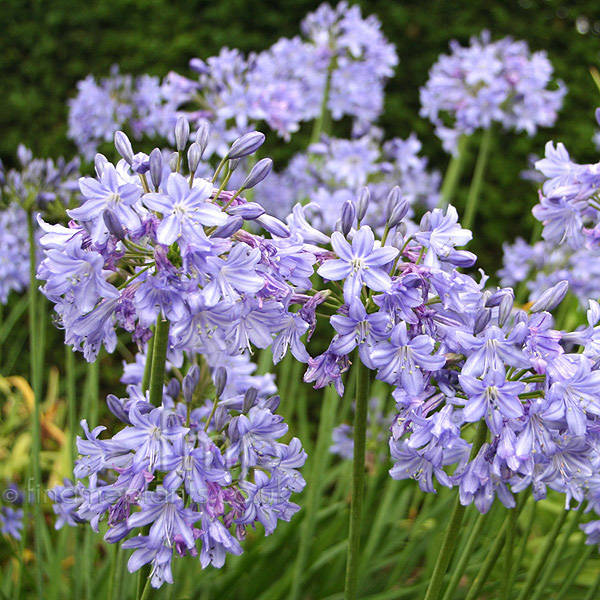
column 559, row 552
column 508, row 553
column 530, row 519
column 465, row 555
column 358, row 478
column 574, row 570
column 319, row 462
column 148, row 365
column 159, row 359
column 146, row 592
column 593, row 590
column 453, row 528
column 542, row 555
column 475, row 189
column 453, row 172
column 36, row 358
column 321, row 121
column 71, row 400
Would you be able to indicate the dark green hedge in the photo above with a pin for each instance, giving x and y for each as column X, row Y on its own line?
column 48, row 45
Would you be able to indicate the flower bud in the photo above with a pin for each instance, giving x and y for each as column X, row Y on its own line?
column 425, row 223
column 123, row 146
column 100, row 162
column 272, row 403
column 274, row 226
column 398, row 213
column 173, row 161
column 363, row 203
column 220, row 379
column 203, row 136
column 482, row 319
column 156, row 167
column 347, row 218
column 248, row 211
column 115, row 405
column 249, row 399
column 226, row 230
column 190, row 382
column 233, row 164
column 173, row 388
column 505, row 308
column 182, row 133
column 392, row 200
column 140, row 164
column 258, row 172
column 247, row 144
column 113, row 224
column 220, row 418
column 194, row 156
column 551, row 298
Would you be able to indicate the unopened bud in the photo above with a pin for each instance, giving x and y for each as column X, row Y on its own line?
column 232, row 225
column 398, row 213
column 481, row 320
column 194, row 156
column 123, row 146
column 220, row 380
column 174, row 161
column 274, row 226
column 505, row 308
column 392, row 200
column 233, row 164
column 203, row 136
column 100, row 162
column 347, row 218
column 258, row 172
column 249, row 399
column 551, row 298
column 182, row 133
column 247, row 144
column 248, row 211
column 272, row 403
column 156, row 167
column 112, row 224
column 363, row 203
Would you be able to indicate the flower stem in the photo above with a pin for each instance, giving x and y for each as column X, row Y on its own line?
column 148, row 365
column 322, row 121
column 35, row 357
column 71, row 399
column 146, row 592
column 453, row 172
column 475, row 189
column 458, row 571
column 159, row 360
column 358, row 478
column 319, row 460
column 452, row 530
column 509, row 547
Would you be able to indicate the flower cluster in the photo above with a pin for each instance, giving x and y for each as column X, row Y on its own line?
column 38, row 184
column 569, row 203
column 190, row 476
column 456, row 355
column 102, row 107
column 333, row 171
column 340, row 56
column 149, row 243
column 489, row 82
column 544, row 264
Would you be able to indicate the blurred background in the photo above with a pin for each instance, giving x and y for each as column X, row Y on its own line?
column 48, row 45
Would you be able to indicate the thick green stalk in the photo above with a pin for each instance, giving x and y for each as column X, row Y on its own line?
column 321, row 122
column 35, row 358
column 358, row 478
column 319, row 461
column 159, row 359
column 508, row 553
column 465, row 555
column 475, row 189
column 148, row 365
column 453, row 172
column 591, row 595
column 71, row 400
column 452, row 530
column 542, row 555
column 156, row 382
column 559, row 552
column 574, row 569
